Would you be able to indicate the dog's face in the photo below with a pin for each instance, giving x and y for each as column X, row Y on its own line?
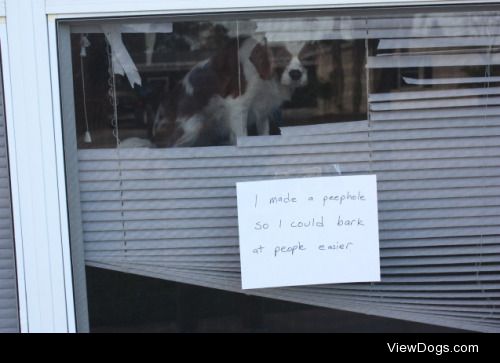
column 288, row 59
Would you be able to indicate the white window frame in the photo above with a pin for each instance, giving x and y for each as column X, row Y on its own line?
column 34, row 125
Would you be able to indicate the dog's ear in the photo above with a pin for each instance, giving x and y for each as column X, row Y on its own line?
column 261, row 59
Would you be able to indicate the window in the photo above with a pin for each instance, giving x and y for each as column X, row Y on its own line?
column 163, row 115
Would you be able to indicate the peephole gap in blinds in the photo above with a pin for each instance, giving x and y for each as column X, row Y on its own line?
column 209, row 83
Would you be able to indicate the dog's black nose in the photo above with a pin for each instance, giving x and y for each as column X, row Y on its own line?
column 295, row 74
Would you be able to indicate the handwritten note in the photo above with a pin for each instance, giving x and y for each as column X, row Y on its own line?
column 308, row 231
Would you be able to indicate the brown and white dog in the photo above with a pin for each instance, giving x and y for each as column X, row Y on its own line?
column 219, row 98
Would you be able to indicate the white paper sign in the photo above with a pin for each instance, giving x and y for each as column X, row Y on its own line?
column 308, row 231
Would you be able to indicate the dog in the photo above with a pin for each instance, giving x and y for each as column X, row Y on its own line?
column 240, row 86
column 288, row 63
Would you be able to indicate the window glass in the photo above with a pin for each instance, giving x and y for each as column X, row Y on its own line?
column 163, row 115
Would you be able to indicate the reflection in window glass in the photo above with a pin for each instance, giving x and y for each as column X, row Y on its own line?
column 164, row 115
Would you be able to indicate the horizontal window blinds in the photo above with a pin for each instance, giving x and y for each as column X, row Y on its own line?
column 171, row 213
column 9, row 321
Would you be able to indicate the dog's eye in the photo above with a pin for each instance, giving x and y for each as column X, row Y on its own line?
column 308, row 54
column 281, row 55
column 309, row 57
